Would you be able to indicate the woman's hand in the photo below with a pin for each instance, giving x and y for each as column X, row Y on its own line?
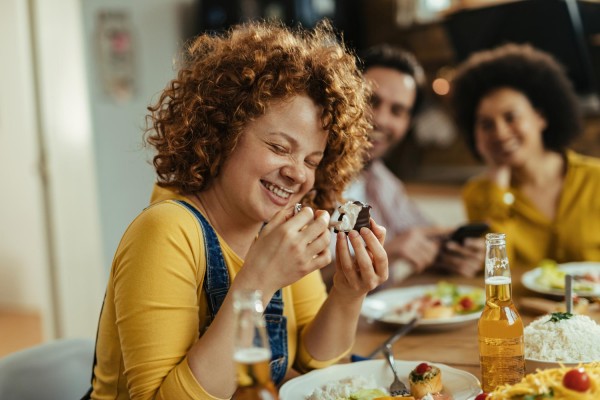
column 288, row 248
column 358, row 275
column 464, row 259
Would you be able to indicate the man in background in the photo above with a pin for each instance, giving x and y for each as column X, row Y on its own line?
column 413, row 243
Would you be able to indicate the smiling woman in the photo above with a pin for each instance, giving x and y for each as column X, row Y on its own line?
column 519, row 113
column 257, row 120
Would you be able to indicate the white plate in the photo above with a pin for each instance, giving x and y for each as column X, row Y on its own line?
column 529, row 278
column 378, row 307
column 460, row 384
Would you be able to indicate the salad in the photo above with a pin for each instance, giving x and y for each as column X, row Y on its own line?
column 445, row 301
column 552, row 277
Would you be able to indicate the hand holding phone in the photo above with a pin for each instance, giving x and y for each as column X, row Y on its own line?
column 475, row 229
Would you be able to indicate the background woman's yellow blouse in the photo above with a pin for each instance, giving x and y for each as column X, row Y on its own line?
column 155, row 307
column 573, row 234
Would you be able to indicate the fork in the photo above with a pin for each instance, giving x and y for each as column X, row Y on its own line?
column 397, row 388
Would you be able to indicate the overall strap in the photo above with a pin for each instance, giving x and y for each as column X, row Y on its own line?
column 216, row 285
column 216, row 281
column 275, row 306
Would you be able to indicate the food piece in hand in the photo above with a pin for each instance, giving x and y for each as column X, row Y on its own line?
column 353, row 216
column 425, row 378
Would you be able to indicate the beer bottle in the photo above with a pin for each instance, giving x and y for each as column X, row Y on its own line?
column 252, row 353
column 500, row 328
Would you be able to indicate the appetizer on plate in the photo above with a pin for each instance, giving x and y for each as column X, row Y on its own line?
column 425, row 384
column 444, row 302
column 425, row 379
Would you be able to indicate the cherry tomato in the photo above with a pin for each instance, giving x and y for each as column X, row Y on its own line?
column 466, row 303
column 577, row 379
column 481, row 396
column 422, row 368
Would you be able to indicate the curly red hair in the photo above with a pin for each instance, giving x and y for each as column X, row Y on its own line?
column 228, row 80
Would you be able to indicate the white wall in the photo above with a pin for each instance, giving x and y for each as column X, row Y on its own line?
column 24, row 273
column 125, row 176
column 49, row 252
column 72, row 171
column 64, row 115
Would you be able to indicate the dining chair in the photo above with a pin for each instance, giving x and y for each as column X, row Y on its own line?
column 57, row 370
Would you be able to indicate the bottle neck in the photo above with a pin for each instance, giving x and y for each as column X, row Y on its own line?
column 496, row 260
column 498, row 281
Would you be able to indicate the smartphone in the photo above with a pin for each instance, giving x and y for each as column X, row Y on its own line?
column 474, row 229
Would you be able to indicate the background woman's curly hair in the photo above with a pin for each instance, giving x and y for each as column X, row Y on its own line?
column 528, row 70
column 227, row 80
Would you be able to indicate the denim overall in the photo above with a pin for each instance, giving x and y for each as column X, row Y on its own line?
column 216, row 286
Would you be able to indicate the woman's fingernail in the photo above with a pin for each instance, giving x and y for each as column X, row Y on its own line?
column 353, row 234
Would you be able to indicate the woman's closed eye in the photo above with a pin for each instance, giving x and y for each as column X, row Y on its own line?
column 278, row 149
column 313, row 163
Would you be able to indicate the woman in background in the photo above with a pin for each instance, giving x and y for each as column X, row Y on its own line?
column 519, row 112
column 257, row 120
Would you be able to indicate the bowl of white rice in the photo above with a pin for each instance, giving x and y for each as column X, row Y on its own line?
column 561, row 338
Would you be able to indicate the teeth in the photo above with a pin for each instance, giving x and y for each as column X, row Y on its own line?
column 281, row 192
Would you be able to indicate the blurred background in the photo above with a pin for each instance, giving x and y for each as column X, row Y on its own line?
column 76, row 78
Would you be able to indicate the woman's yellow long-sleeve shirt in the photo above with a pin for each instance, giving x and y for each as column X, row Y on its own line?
column 573, row 234
column 155, row 307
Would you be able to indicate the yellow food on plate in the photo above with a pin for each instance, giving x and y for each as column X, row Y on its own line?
column 366, row 394
column 438, row 311
column 552, row 277
column 425, row 378
column 445, row 301
column 564, row 383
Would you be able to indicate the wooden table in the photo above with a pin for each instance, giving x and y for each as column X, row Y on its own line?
column 456, row 347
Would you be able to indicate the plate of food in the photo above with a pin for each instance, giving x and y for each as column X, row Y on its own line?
column 366, row 380
column 559, row 339
column 549, row 278
column 561, row 382
column 441, row 305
